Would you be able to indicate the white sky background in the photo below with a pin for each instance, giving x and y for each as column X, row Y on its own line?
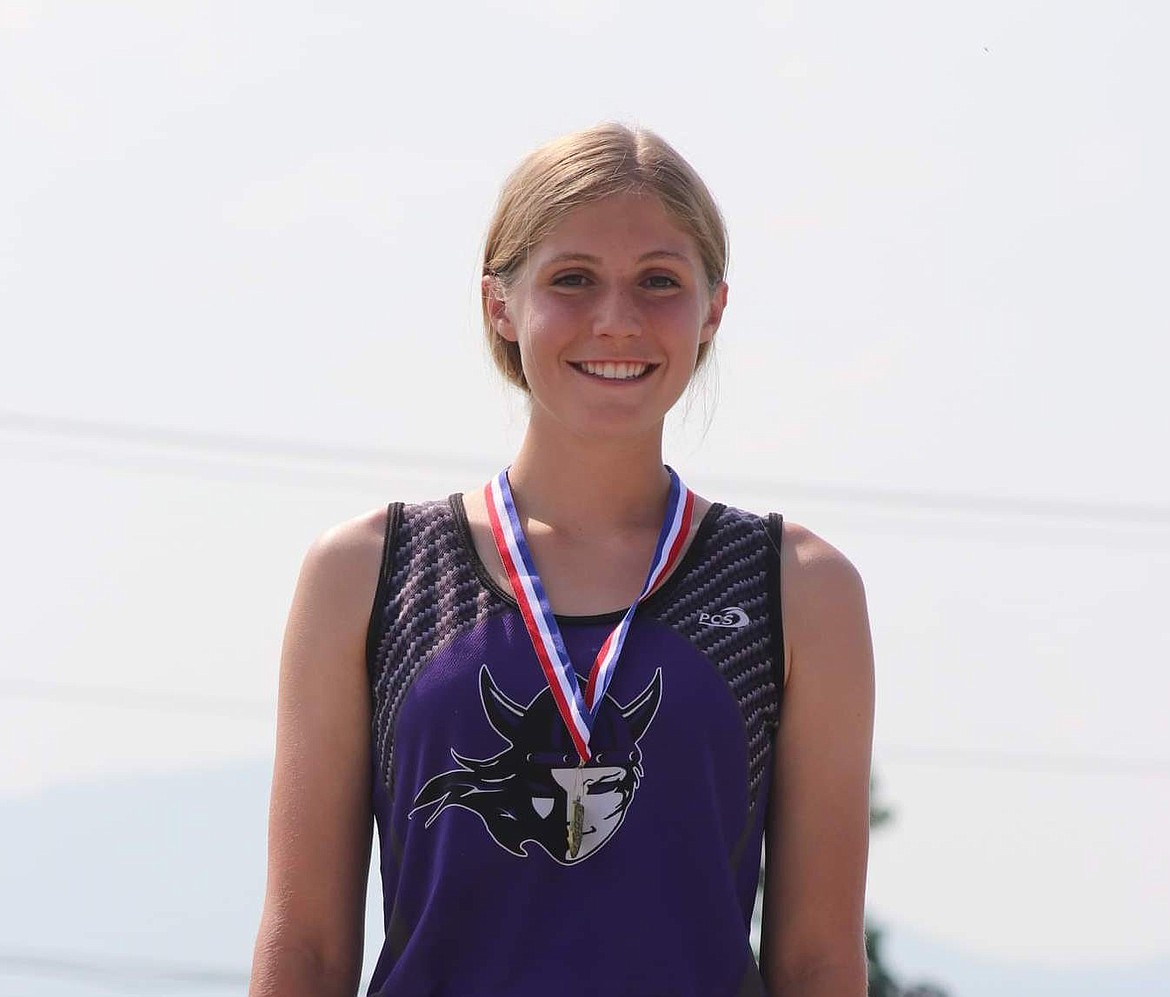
column 948, row 276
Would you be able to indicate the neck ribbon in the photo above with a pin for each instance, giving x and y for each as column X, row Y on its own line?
column 576, row 709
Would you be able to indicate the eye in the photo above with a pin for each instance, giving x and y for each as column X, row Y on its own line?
column 570, row 280
column 661, row 282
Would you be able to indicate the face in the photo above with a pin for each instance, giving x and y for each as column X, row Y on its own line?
column 609, row 312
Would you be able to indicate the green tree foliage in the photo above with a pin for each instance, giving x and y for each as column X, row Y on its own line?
column 881, row 982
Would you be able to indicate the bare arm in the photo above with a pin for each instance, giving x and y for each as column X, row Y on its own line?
column 320, row 823
column 817, row 839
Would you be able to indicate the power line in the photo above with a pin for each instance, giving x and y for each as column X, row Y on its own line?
column 376, row 464
column 1113, row 513
column 124, row 972
column 136, row 699
column 1025, row 761
column 225, row 444
column 227, row 457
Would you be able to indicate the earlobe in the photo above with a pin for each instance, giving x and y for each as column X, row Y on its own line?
column 714, row 312
column 497, row 308
column 503, row 326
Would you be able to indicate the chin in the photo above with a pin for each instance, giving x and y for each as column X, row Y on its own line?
column 616, row 428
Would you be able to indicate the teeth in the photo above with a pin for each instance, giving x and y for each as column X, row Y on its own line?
column 614, row 371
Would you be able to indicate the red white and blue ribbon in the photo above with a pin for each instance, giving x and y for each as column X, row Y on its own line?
column 577, row 710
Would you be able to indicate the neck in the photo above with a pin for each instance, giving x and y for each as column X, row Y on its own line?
column 580, row 486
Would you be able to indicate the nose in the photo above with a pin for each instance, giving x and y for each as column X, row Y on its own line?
column 617, row 314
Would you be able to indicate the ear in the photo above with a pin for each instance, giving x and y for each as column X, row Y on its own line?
column 714, row 312
column 496, row 304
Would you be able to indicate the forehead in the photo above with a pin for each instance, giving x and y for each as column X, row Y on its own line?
column 618, row 228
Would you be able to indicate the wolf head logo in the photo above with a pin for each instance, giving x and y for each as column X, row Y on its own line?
column 522, row 793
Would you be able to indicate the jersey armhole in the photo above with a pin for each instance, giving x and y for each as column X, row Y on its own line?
column 774, row 526
column 389, row 544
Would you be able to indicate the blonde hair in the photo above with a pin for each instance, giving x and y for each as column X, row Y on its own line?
column 586, row 166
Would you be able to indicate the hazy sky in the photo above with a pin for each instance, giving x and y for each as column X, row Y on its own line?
column 238, row 251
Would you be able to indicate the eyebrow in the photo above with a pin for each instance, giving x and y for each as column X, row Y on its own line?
column 653, row 254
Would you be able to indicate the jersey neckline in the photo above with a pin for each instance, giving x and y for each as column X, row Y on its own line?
column 706, row 524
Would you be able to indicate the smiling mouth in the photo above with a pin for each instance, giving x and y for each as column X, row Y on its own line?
column 615, row 371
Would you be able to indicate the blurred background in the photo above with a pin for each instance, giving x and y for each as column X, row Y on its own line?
column 238, row 257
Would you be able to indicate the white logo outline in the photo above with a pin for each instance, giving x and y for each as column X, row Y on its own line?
column 731, row 617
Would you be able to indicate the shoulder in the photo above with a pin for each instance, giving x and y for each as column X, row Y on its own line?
column 350, row 544
column 818, row 570
column 821, row 593
column 341, row 567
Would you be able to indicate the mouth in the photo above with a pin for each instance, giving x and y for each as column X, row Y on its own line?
column 615, row 371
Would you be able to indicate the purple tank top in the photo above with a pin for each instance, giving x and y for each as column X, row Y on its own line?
column 471, row 766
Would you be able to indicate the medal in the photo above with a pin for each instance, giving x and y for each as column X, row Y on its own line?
column 576, row 709
column 576, row 820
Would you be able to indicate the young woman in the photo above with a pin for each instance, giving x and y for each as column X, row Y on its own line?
column 577, row 701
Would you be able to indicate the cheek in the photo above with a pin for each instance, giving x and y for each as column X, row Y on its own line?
column 549, row 320
column 557, row 311
column 681, row 313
